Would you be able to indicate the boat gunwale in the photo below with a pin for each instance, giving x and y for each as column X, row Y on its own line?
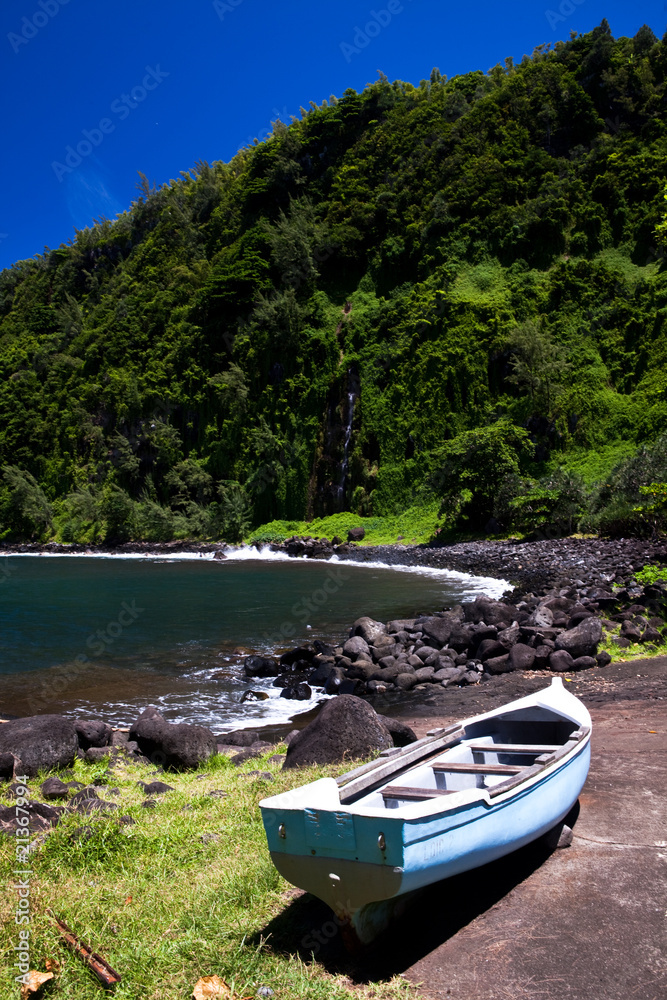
column 442, row 805
column 532, row 775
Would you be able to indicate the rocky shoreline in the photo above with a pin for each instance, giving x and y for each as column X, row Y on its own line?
column 588, row 593
column 585, row 591
column 529, row 566
column 559, row 632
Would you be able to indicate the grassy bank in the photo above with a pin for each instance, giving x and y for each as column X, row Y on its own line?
column 185, row 891
column 414, row 526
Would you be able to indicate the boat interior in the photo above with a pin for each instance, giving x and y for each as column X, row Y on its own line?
column 494, row 754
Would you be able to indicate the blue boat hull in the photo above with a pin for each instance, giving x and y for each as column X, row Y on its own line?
column 363, row 860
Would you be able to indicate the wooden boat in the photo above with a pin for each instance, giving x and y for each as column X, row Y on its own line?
column 457, row 799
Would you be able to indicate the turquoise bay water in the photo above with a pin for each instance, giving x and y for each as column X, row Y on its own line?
column 104, row 637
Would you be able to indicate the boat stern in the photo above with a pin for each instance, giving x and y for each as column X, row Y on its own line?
column 345, row 859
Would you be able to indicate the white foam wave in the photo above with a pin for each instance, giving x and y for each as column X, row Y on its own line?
column 472, row 585
column 207, row 709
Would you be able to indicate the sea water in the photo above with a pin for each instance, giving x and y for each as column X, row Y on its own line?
column 103, row 636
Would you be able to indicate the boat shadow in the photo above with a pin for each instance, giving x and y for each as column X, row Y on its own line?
column 306, row 927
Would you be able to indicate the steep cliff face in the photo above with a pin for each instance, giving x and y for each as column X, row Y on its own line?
column 313, row 325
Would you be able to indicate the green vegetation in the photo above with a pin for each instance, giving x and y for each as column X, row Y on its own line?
column 635, row 651
column 651, row 574
column 469, row 261
column 414, row 526
column 185, row 892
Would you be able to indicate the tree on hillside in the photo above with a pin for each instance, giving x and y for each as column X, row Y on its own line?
column 539, row 364
column 473, row 467
column 25, row 511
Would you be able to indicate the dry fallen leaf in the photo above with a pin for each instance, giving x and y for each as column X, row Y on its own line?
column 213, row 986
column 35, row 982
column 128, row 900
column 52, row 965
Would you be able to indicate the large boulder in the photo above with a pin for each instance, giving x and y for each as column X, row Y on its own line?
column 369, row 630
column 300, row 691
column 488, row 648
column 560, row 661
column 584, row 663
column 563, row 604
column 320, row 674
column 509, row 636
column 582, row 640
column 400, row 625
column 461, row 637
column 522, row 657
column 92, row 734
column 498, row 665
column 484, row 609
column 41, row 742
column 178, row 746
column 356, row 534
column 297, row 655
column 345, row 729
column 355, row 647
column 439, row 629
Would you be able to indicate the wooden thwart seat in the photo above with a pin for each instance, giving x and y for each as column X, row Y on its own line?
column 533, row 749
column 413, row 794
column 457, row 767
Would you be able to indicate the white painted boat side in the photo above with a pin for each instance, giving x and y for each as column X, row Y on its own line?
column 359, row 854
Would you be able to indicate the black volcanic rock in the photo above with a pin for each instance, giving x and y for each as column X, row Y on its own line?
column 176, row 746
column 582, row 640
column 41, row 742
column 346, row 728
column 92, row 734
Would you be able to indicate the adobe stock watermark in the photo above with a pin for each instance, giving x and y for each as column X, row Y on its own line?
column 566, row 9
column 222, row 7
column 98, row 642
column 22, row 882
column 302, row 609
column 122, row 107
column 31, row 26
column 363, row 36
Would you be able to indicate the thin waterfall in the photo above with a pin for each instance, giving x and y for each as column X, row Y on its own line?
column 340, row 490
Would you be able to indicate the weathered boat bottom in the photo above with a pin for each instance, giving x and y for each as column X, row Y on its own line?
column 456, row 800
column 345, row 887
column 347, row 893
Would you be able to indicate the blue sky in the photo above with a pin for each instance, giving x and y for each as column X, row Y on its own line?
column 160, row 84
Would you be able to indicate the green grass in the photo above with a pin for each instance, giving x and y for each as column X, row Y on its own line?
column 481, row 283
column 163, row 902
column 636, row 651
column 414, row 526
column 616, row 260
column 594, row 465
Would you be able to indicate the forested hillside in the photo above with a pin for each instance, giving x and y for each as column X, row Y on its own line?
column 449, row 296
